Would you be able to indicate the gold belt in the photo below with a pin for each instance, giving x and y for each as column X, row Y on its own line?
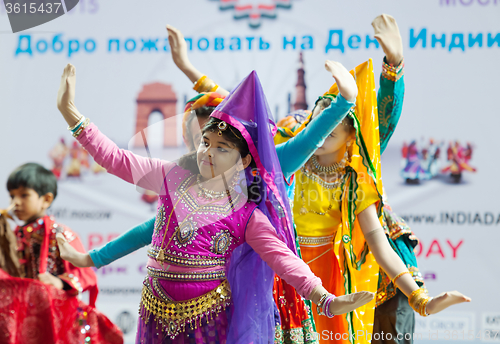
column 188, row 262
column 315, row 241
column 173, row 316
column 187, row 276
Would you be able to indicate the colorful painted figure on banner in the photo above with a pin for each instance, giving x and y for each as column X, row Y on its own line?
column 458, row 158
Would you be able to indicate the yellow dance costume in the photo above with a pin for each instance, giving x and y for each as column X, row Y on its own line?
column 325, row 215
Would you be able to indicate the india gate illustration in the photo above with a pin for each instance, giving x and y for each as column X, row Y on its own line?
column 157, row 97
column 160, row 98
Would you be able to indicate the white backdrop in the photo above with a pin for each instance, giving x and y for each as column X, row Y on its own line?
column 451, row 94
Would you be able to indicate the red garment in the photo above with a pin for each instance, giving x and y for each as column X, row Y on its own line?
column 33, row 312
column 39, row 253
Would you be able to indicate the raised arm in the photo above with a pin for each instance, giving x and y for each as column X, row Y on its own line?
column 262, row 237
column 294, row 153
column 392, row 87
column 130, row 241
column 394, row 267
column 178, row 48
column 144, row 172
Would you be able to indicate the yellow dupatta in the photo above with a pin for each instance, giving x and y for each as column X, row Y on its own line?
column 356, row 262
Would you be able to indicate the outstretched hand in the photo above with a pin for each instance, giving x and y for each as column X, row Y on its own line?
column 70, row 254
column 345, row 81
column 178, row 47
column 66, row 96
column 445, row 300
column 387, row 34
column 348, row 303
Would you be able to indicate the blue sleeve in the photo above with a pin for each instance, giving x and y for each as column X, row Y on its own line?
column 128, row 242
column 294, row 153
column 390, row 105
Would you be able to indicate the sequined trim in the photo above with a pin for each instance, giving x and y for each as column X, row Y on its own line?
column 221, row 242
column 298, row 335
column 386, row 289
column 160, row 219
column 187, row 276
column 189, row 262
column 315, row 241
column 172, row 317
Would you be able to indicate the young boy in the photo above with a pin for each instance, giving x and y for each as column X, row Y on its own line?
column 41, row 306
column 32, row 189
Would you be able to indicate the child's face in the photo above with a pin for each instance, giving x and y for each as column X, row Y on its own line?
column 216, row 155
column 28, row 205
column 336, row 141
column 337, row 138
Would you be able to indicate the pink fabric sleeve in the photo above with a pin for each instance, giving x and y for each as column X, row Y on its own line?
column 262, row 237
column 144, row 172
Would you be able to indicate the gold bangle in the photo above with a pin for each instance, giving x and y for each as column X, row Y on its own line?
column 399, row 275
column 206, row 85
column 198, row 83
column 418, row 300
column 214, row 88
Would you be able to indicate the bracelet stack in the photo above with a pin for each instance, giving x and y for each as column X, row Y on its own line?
column 393, row 73
column 418, row 300
column 77, row 129
column 323, row 307
column 205, row 84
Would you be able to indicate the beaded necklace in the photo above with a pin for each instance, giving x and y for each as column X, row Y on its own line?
column 210, row 194
column 328, row 170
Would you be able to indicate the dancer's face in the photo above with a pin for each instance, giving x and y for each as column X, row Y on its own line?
column 337, row 140
column 216, row 155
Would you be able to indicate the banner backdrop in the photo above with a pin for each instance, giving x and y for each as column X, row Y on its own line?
column 127, row 80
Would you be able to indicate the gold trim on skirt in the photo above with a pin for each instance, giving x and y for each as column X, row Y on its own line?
column 173, row 316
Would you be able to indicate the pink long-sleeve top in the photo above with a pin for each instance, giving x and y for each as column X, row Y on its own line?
column 149, row 174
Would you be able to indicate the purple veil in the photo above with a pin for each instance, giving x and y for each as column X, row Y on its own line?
column 251, row 317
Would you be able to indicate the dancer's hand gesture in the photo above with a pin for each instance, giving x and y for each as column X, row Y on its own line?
column 178, row 47
column 345, row 81
column 387, row 34
column 66, row 96
column 445, row 300
column 70, row 254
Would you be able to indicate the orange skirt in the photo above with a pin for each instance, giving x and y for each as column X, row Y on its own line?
column 330, row 330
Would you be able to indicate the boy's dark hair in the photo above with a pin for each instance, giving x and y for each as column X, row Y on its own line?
column 33, row 176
